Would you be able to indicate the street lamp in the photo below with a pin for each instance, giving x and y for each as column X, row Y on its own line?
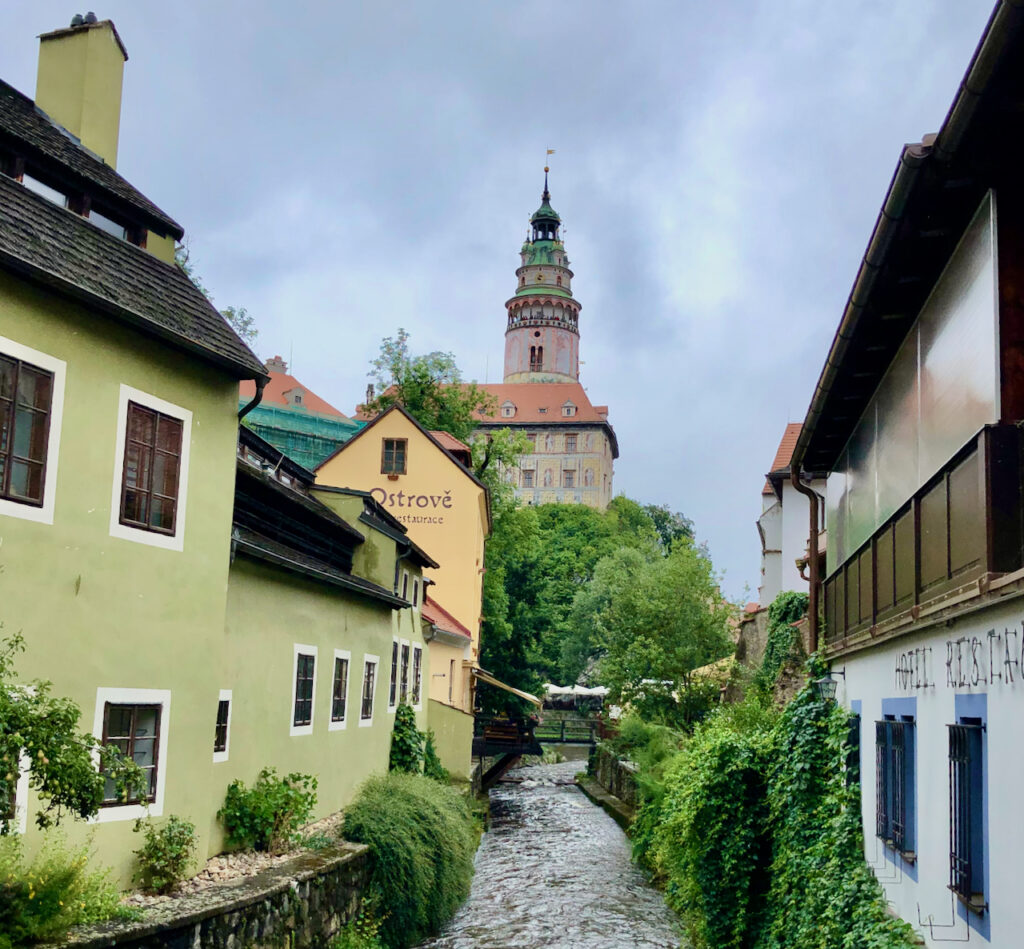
column 826, row 685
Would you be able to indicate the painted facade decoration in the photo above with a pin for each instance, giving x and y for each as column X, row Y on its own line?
column 574, row 444
column 916, row 419
column 198, row 600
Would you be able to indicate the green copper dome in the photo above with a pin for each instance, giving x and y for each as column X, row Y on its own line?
column 545, row 212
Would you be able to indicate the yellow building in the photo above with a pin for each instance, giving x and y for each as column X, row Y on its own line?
column 418, row 478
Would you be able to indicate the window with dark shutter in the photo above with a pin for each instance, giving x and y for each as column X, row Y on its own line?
column 26, row 393
column 152, row 460
column 393, row 692
column 220, row 732
column 339, row 693
column 305, row 666
column 369, row 677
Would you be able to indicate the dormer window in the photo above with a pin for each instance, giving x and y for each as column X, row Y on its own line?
column 568, row 410
column 51, row 194
column 508, row 409
column 294, row 396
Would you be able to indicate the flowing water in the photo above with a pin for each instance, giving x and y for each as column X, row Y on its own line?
column 553, row 870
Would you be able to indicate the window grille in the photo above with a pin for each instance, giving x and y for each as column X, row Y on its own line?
column 898, row 770
column 966, row 833
column 881, row 780
column 894, row 783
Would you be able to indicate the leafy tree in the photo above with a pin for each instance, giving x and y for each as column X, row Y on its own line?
column 428, row 387
column 244, row 325
column 670, row 525
column 237, row 317
column 39, row 731
column 655, row 619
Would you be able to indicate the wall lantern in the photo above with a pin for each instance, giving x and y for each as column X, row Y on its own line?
column 826, row 686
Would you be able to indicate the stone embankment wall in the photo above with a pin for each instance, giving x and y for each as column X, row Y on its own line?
column 617, row 777
column 299, row 904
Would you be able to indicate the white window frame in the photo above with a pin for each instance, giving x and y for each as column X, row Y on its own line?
column 396, row 653
column 332, row 725
column 175, row 541
column 293, row 729
column 416, row 648
column 225, row 696
column 369, row 660
column 29, row 512
column 161, row 697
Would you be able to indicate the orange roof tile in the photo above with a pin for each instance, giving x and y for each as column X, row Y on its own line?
column 281, row 383
column 438, row 616
column 785, row 453
column 530, row 398
column 449, row 441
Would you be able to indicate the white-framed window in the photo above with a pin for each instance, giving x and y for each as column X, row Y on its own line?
column 150, row 485
column 339, row 690
column 31, row 412
column 403, row 681
column 370, row 664
column 417, row 677
column 303, row 689
column 222, row 728
column 393, row 684
column 136, row 721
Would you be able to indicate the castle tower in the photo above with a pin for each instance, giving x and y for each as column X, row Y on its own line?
column 542, row 340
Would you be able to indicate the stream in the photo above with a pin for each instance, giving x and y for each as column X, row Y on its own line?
column 554, row 870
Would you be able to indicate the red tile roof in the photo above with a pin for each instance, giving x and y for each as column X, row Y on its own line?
column 450, row 442
column 784, row 454
column 530, row 397
column 438, row 616
column 280, row 383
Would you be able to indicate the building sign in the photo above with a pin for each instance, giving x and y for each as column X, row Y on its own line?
column 415, row 508
column 970, row 661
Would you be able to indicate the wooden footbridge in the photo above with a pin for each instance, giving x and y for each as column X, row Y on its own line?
column 508, row 739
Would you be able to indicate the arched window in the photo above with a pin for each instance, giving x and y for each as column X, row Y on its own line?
column 536, row 358
column 558, row 281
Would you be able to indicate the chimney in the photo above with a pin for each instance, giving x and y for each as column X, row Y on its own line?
column 79, row 82
column 277, row 364
column 369, row 393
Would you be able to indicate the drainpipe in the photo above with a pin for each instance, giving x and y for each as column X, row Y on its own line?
column 246, row 409
column 812, row 602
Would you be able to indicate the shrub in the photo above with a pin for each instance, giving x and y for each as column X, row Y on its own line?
column 406, row 742
column 40, row 900
column 363, row 932
column 268, row 815
column 167, row 854
column 758, row 836
column 422, row 838
column 432, row 767
column 785, row 610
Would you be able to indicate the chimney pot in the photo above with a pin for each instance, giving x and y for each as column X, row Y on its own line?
column 90, row 17
column 77, row 19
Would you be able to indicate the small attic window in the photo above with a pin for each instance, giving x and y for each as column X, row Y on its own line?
column 508, row 409
column 568, row 410
column 542, row 411
column 51, row 194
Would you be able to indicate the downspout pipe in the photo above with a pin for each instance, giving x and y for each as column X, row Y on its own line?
column 261, row 384
column 815, row 580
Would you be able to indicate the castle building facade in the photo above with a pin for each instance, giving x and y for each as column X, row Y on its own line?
column 574, row 445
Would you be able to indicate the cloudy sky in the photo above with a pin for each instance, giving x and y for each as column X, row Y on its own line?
column 343, row 169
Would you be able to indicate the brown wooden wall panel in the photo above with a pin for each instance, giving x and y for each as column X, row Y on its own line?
column 966, row 523
column 867, row 585
column 852, row 593
column 934, row 536
column 841, row 603
column 832, row 631
column 885, row 574
column 905, row 557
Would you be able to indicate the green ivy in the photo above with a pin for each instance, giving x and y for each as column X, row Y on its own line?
column 786, row 609
column 406, row 742
column 757, row 836
column 432, row 767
